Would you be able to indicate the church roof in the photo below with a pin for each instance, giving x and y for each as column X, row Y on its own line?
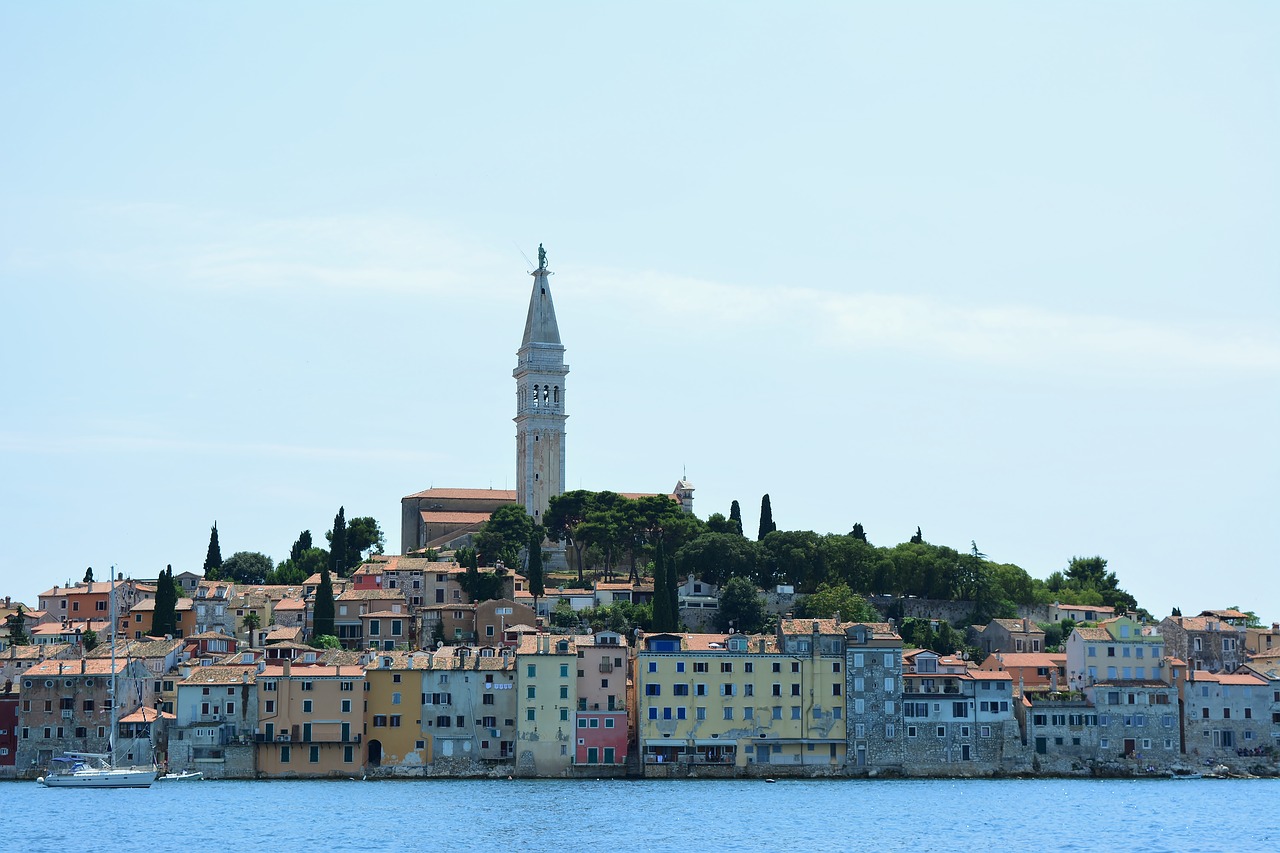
column 540, row 325
column 508, row 495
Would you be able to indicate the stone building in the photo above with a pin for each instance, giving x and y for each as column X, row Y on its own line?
column 1227, row 716
column 1207, row 642
column 1137, row 721
column 873, row 699
column 216, row 721
column 957, row 720
column 1015, row 636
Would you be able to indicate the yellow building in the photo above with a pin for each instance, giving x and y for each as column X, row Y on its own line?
column 711, row 700
column 394, row 733
column 311, row 719
column 546, row 695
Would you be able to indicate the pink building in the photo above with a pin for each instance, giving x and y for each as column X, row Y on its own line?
column 600, row 721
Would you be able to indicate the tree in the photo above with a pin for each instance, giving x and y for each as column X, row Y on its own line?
column 338, row 555
column 295, row 570
column 480, row 587
column 533, row 568
column 1177, row 611
column 665, row 616
column 741, row 607
column 88, row 575
column 507, row 531
column 735, row 517
column 325, row 641
column 831, row 601
column 716, row 557
column 249, row 567
column 164, row 619
column 17, row 627
column 251, row 624
column 564, row 514
column 766, row 519
column 322, row 615
column 363, row 534
column 858, row 533
column 918, row 539
column 213, row 558
column 90, row 640
column 302, row 543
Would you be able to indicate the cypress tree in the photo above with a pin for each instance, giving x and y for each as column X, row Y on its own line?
column 322, row 617
column 303, row 543
column 164, row 619
column 766, row 518
column 858, row 532
column 673, row 592
column 88, row 575
column 338, row 544
column 213, row 559
column 735, row 516
column 918, row 539
column 533, row 571
column 662, row 618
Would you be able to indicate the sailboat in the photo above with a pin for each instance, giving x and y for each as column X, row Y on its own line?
column 96, row 769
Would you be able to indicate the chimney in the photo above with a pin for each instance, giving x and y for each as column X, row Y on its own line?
column 288, row 668
column 82, row 666
column 1026, row 625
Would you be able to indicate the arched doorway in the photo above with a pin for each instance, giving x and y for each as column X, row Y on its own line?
column 375, row 753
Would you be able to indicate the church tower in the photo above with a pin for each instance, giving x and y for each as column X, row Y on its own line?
column 540, row 411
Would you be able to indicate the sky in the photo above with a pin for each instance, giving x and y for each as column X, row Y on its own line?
column 1004, row 271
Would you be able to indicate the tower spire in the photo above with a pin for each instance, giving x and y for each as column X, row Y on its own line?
column 540, row 400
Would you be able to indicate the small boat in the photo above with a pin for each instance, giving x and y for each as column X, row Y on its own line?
column 184, row 776
column 94, row 770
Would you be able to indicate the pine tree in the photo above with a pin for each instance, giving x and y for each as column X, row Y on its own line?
column 533, row 571
column 735, row 516
column 213, row 559
column 88, row 575
column 338, row 544
column 766, row 518
column 322, row 616
column 918, row 539
column 858, row 533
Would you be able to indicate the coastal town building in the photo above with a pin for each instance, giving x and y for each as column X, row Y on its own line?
column 546, row 685
column 1214, row 641
column 311, row 719
column 1117, row 649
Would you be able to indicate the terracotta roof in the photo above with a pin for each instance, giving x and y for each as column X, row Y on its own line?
column 1225, row 614
column 1015, row 626
column 795, row 627
column 34, row 652
column 1227, row 678
column 290, row 604
column 221, row 674
column 1023, row 659
column 508, row 495
column 1132, row 682
column 1093, row 634
column 301, row 670
column 281, row 635
column 147, row 715
column 371, row 595
column 93, row 666
column 987, row 675
column 444, row 517
column 149, row 648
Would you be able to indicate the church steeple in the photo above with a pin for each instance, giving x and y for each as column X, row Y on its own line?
column 540, row 400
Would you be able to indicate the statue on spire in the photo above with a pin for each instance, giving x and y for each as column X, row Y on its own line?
column 542, row 257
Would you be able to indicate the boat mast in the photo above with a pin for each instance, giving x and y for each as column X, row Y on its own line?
column 115, row 712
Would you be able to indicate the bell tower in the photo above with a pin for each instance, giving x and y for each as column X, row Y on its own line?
column 540, row 400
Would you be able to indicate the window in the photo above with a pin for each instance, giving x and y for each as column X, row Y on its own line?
column 564, row 670
column 728, row 713
column 306, row 706
column 532, row 692
column 395, row 698
column 532, row 670
column 700, row 666
column 395, row 721
column 795, row 690
column 726, row 666
column 777, row 712
column 284, row 755
column 270, row 706
column 650, row 689
column 701, row 713
column 307, row 685
column 380, row 721
column 564, row 691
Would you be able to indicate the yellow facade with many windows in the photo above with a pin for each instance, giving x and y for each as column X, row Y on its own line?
column 738, row 701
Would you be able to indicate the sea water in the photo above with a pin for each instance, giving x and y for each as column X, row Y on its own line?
column 615, row 815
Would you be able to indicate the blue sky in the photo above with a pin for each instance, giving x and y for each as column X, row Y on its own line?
column 1004, row 271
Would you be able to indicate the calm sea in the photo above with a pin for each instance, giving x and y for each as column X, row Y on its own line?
column 578, row 817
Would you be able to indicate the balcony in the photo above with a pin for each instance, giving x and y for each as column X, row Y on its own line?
column 606, row 666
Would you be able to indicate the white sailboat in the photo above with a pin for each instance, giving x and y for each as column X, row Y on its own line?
column 95, row 769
